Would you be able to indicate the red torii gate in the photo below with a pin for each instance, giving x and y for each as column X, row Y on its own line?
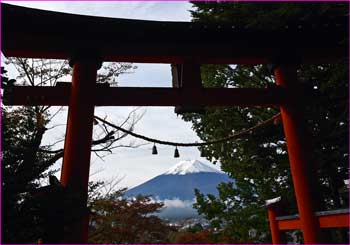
column 87, row 41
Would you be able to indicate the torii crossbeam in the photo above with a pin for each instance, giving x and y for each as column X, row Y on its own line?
column 88, row 41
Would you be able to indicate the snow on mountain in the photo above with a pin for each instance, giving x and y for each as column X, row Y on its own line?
column 180, row 181
column 175, row 187
column 190, row 167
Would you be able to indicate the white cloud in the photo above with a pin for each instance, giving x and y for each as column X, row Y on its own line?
column 177, row 203
column 175, row 208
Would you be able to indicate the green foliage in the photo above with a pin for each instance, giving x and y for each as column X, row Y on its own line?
column 195, row 228
column 267, row 15
column 24, row 162
column 259, row 162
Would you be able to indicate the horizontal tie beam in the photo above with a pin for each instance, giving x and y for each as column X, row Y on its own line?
column 328, row 219
column 136, row 96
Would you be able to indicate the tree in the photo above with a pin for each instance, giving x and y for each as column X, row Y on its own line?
column 22, row 164
column 116, row 219
column 25, row 161
column 199, row 237
column 44, row 72
column 259, row 162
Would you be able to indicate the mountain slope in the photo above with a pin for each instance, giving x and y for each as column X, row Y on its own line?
column 180, row 181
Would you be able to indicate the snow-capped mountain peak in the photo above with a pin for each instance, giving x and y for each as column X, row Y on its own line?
column 190, row 167
column 180, row 181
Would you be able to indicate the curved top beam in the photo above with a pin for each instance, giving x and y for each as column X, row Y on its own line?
column 36, row 33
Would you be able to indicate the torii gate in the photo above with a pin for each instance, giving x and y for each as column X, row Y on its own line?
column 88, row 41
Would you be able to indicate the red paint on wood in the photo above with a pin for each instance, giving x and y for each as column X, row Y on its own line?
column 275, row 232
column 299, row 155
column 333, row 221
column 77, row 147
column 327, row 221
column 293, row 224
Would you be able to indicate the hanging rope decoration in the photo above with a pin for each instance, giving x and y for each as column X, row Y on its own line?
column 275, row 119
column 154, row 150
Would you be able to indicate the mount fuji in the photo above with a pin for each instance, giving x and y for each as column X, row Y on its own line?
column 179, row 182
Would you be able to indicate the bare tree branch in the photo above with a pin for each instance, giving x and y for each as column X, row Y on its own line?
column 55, row 126
column 43, row 72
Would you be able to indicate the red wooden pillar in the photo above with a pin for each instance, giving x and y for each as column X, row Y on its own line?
column 276, row 234
column 77, row 146
column 299, row 154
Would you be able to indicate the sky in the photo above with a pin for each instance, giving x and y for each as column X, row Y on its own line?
column 132, row 166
